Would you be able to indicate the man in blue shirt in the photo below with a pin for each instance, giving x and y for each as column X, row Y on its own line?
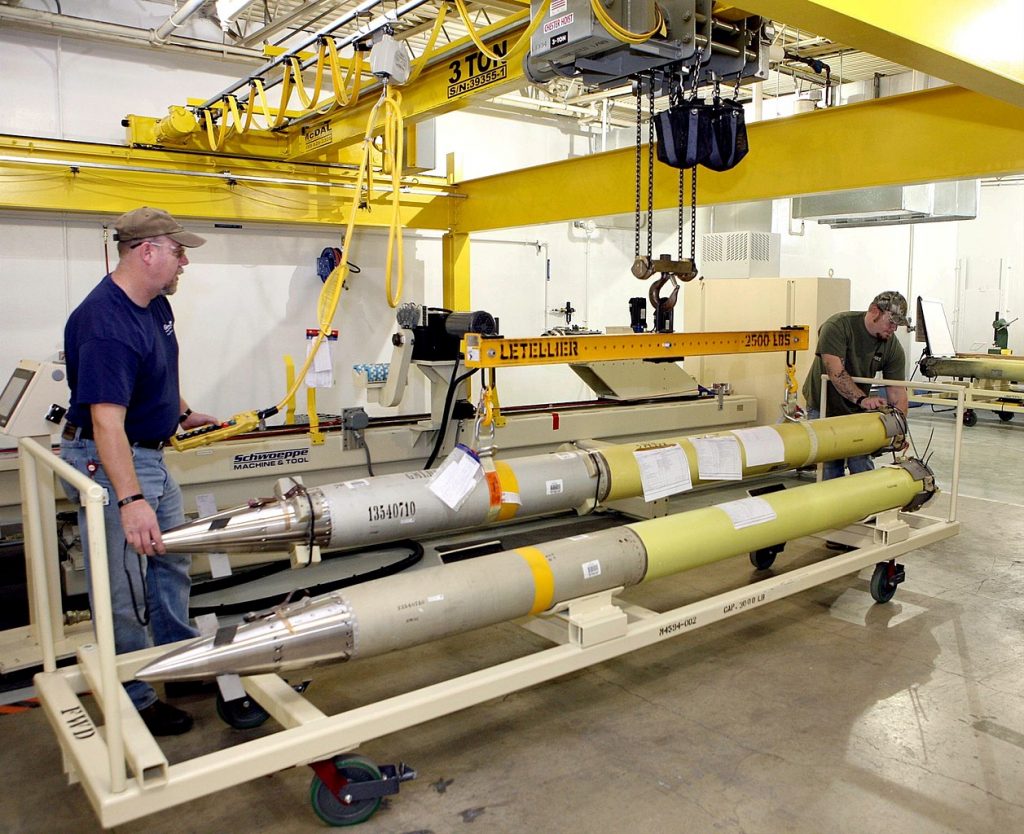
column 122, row 361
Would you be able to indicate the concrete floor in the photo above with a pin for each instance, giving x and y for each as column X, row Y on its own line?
column 822, row 712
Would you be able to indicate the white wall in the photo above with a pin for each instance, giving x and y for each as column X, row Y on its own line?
column 249, row 294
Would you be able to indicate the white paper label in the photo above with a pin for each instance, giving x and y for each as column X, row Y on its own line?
column 220, row 565
column 761, row 445
column 555, row 487
column 664, row 471
column 207, row 623
column 456, row 477
column 206, row 504
column 591, row 569
column 230, row 686
column 747, row 512
column 511, row 498
column 356, row 484
column 718, row 458
column 565, row 455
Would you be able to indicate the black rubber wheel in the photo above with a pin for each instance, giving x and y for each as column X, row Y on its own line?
column 242, row 713
column 1005, row 416
column 336, row 811
column 970, row 417
column 882, row 589
column 762, row 559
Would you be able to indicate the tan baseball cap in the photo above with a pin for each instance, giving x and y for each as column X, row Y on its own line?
column 146, row 222
column 894, row 304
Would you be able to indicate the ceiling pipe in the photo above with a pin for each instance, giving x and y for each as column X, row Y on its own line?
column 60, row 25
column 176, row 19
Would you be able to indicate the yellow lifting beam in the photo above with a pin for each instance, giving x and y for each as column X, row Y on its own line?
column 978, row 44
column 483, row 352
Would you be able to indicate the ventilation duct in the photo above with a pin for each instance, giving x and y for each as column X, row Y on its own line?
column 891, row 205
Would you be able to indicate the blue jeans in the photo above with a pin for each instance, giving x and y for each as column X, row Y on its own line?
column 837, row 468
column 157, row 586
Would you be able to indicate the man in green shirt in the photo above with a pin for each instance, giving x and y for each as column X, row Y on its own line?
column 858, row 344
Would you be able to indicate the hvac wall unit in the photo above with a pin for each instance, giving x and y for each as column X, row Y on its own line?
column 740, row 255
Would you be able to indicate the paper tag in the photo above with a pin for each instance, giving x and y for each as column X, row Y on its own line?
column 321, row 372
column 748, row 512
column 555, row 487
column 356, row 484
column 230, row 687
column 220, row 565
column 761, row 445
column 206, row 504
column 664, row 471
column 591, row 569
column 206, row 623
column 456, row 477
column 718, row 458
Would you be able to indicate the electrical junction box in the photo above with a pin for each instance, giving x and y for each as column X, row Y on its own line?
column 34, row 400
column 740, row 255
column 390, row 59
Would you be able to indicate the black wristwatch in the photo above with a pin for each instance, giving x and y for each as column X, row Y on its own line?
column 184, row 416
column 860, row 399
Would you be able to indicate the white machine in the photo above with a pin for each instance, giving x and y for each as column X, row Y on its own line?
column 33, row 402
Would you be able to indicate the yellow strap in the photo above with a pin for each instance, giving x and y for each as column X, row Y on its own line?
column 543, row 579
column 420, row 63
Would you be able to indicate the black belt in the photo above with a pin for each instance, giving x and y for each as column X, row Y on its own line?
column 85, row 433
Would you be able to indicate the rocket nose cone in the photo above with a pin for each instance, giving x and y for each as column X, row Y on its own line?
column 261, row 525
column 191, row 662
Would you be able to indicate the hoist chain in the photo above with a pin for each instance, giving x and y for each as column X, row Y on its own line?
column 650, row 165
column 693, row 213
column 636, row 210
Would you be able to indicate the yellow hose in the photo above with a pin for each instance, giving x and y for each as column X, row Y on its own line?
column 524, row 39
column 620, row 31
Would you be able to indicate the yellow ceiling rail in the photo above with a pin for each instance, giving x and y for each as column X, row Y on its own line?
column 942, row 134
column 57, row 175
column 483, row 352
column 978, row 44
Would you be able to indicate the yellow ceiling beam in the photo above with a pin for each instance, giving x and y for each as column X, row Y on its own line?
column 55, row 175
column 977, row 44
column 942, row 134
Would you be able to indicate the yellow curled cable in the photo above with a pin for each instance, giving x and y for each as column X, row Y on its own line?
column 347, row 90
column 309, row 102
column 394, row 152
column 222, row 131
column 524, row 39
column 330, row 293
column 620, row 31
column 420, row 63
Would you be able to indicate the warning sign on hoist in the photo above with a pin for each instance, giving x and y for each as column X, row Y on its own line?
column 476, row 71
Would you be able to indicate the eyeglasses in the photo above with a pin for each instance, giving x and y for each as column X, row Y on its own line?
column 891, row 321
column 177, row 252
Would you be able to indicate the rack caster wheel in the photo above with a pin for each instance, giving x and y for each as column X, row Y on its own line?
column 1005, row 416
column 884, row 580
column 348, row 789
column 765, row 558
column 970, row 417
column 241, row 713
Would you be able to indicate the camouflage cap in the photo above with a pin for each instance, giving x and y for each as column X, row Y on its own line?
column 892, row 303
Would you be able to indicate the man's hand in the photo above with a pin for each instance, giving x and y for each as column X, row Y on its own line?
column 141, row 529
column 197, row 419
column 874, row 403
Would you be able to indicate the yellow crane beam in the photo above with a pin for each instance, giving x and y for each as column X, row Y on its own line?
column 58, row 175
column 978, row 44
column 942, row 134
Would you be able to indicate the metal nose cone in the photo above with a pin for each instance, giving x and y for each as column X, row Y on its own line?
column 196, row 661
column 268, row 524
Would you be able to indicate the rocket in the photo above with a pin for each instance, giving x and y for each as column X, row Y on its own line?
column 386, row 508
column 422, row 605
column 977, row 366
